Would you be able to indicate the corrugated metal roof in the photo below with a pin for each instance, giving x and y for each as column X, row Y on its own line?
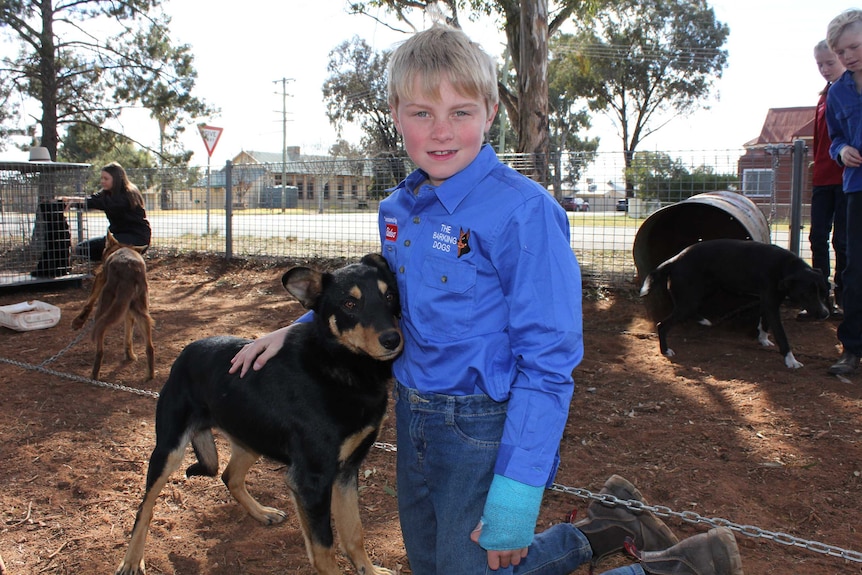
column 784, row 125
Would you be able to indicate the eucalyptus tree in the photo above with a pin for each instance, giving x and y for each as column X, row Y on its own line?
column 527, row 24
column 644, row 63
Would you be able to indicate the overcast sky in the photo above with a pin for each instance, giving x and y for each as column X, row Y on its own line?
column 242, row 54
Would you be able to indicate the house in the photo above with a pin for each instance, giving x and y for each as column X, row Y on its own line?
column 266, row 180
column 767, row 165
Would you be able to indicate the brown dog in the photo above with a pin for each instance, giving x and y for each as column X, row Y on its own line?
column 119, row 291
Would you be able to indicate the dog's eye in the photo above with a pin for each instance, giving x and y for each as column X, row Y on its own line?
column 389, row 297
column 350, row 304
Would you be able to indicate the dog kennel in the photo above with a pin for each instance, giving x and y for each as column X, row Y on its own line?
column 37, row 232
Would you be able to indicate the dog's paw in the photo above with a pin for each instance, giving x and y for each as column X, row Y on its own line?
column 270, row 515
column 791, row 361
column 669, row 352
column 131, row 569
column 78, row 322
column 764, row 340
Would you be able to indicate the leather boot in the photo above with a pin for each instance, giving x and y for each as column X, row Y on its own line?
column 711, row 553
column 607, row 526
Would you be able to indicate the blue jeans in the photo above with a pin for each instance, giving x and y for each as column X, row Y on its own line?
column 850, row 328
column 829, row 216
column 447, row 447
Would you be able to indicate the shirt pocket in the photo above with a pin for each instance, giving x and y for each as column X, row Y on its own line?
column 445, row 306
column 850, row 117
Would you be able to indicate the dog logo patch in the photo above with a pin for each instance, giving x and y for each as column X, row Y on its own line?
column 463, row 242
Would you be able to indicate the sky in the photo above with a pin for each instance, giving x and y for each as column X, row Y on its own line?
column 242, row 55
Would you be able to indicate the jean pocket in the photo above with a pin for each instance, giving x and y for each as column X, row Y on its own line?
column 481, row 429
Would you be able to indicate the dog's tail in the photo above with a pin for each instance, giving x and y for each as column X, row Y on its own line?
column 656, row 277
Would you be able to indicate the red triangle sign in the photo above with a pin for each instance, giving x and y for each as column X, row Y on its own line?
column 211, row 135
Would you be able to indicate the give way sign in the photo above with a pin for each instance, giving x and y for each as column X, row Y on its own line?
column 211, row 135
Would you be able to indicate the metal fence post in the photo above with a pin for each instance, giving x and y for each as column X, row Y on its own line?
column 228, row 210
column 796, row 195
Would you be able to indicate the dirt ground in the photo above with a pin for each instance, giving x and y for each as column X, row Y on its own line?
column 722, row 431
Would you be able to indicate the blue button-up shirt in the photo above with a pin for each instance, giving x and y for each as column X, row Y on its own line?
column 844, row 120
column 491, row 301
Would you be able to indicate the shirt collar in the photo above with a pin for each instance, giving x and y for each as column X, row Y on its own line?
column 453, row 191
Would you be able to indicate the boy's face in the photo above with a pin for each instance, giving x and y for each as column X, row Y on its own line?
column 828, row 64
column 442, row 137
column 848, row 47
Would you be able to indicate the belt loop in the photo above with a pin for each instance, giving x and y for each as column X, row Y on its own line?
column 450, row 410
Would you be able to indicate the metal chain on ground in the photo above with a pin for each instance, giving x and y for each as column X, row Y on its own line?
column 634, row 505
column 72, row 344
column 691, row 517
column 79, row 378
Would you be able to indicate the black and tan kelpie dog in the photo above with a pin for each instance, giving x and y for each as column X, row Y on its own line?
column 316, row 407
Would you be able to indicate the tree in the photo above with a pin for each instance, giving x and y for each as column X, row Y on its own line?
column 164, row 87
column 657, row 176
column 356, row 91
column 86, row 144
column 79, row 74
column 644, row 59
column 567, row 117
column 527, row 24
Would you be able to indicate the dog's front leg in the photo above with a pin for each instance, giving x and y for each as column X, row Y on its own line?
column 313, row 509
column 345, row 510
column 771, row 319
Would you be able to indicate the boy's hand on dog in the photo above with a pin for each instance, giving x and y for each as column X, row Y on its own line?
column 255, row 354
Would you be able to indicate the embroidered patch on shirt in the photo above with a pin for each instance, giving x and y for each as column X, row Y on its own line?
column 391, row 232
column 463, row 242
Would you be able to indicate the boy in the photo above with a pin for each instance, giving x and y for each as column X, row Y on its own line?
column 828, row 214
column 491, row 314
column 844, row 119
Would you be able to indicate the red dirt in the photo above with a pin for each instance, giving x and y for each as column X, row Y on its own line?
column 723, row 430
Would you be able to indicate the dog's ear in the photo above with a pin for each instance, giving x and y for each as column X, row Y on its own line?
column 110, row 240
column 305, row 284
column 374, row 260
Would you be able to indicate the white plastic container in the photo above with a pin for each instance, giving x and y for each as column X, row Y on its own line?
column 29, row 315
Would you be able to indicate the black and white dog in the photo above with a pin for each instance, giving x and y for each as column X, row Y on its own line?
column 740, row 267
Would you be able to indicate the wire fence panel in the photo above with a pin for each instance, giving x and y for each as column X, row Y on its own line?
column 328, row 209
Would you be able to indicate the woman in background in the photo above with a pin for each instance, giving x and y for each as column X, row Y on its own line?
column 123, row 205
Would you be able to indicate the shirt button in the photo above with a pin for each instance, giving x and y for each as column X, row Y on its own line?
column 407, row 243
column 415, row 219
column 401, row 269
column 444, row 279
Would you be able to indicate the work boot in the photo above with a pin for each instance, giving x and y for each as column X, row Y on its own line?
column 848, row 363
column 711, row 553
column 608, row 525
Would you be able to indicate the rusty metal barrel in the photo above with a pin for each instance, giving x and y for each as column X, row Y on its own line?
column 707, row 216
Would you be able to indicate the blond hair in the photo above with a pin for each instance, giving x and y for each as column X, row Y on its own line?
column 442, row 53
column 822, row 46
column 840, row 24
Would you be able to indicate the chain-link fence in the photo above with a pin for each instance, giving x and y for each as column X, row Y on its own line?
column 318, row 208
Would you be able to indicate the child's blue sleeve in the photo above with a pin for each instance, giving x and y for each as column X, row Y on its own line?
column 511, row 511
column 305, row 318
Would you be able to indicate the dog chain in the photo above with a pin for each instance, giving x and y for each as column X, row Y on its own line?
column 72, row 344
column 692, row 517
column 606, row 498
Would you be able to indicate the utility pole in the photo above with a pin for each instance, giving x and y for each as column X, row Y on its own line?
column 284, row 96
